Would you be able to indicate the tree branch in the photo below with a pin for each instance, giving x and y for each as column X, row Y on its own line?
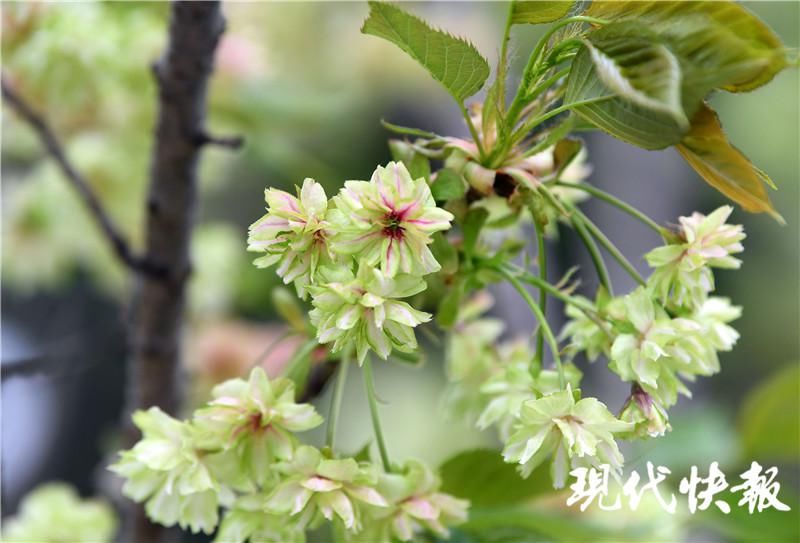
column 54, row 148
column 156, row 326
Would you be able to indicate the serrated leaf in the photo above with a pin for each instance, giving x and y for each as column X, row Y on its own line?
column 621, row 118
column 626, row 60
column 482, row 477
column 633, row 65
column 453, row 62
column 708, row 151
column 448, row 185
column 539, row 12
column 722, row 40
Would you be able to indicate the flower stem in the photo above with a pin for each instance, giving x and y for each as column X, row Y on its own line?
column 336, row 399
column 271, row 348
column 594, row 253
column 472, row 130
column 616, row 202
column 369, row 386
column 609, row 246
column 588, row 309
column 544, row 326
column 542, row 258
column 547, row 287
column 561, row 109
column 573, row 210
column 300, row 357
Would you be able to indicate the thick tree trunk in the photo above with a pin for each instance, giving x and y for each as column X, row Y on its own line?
column 158, row 301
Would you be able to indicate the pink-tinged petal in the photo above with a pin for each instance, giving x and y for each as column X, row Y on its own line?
column 368, row 495
column 390, row 259
column 408, row 209
column 420, row 508
column 403, row 527
column 320, row 484
column 313, row 197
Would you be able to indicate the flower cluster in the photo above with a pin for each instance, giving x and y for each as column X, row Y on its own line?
column 357, row 255
column 682, row 276
column 54, row 512
column 240, row 453
column 575, row 433
column 671, row 328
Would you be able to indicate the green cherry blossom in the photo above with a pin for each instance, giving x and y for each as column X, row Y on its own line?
column 574, row 432
column 294, row 234
column 166, row 470
column 365, row 311
column 54, row 512
column 639, row 353
column 333, row 488
column 256, row 420
column 247, row 521
column 682, row 277
column 388, row 221
column 415, row 506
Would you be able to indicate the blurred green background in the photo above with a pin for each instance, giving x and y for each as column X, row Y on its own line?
column 307, row 90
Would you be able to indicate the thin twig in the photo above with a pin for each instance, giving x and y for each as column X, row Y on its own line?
column 53, row 146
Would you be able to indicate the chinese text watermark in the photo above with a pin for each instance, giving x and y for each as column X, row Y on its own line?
column 758, row 489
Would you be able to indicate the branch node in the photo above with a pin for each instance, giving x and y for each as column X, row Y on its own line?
column 230, row 142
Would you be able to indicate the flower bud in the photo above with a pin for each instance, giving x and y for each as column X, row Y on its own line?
column 648, row 416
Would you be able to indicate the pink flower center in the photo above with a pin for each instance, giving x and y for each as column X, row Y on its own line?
column 392, row 225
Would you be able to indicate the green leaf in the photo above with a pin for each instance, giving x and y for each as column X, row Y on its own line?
column 448, row 185
column 565, row 152
column 453, row 62
column 726, row 45
column 630, row 61
column 740, row 525
column 482, row 477
column 708, row 151
column 416, row 163
column 528, row 525
column 473, row 222
column 770, row 418
column 444, row 253
column 447, row 312
column 415, row 359
column 625, row 60
column 539, row 12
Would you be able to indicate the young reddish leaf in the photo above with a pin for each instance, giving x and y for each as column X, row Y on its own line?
column 708, row 151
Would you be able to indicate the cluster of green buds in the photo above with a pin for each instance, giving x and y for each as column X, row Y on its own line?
column 240, row 453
